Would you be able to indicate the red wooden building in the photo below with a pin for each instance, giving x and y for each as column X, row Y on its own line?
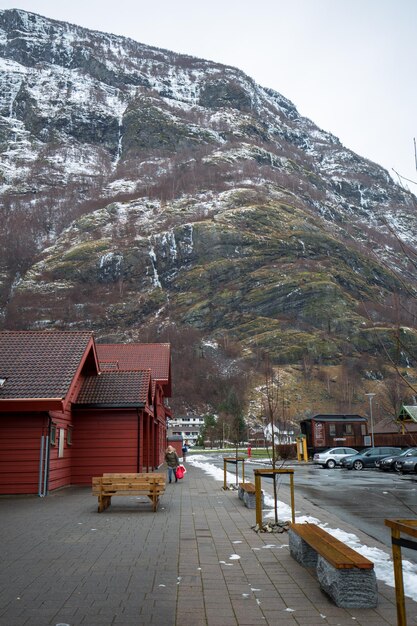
column 401, row 431
column 157, row 357
column 63, row 419
column 329, row 430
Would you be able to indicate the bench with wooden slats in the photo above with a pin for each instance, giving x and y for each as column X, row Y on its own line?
column 150, row 484
column 247, row 487
column 247, row 493
column 332, row 549
column 346, row 575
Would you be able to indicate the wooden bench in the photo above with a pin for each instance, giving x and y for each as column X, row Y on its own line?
column 247, row 493
column 149, row 484
column 344, row 574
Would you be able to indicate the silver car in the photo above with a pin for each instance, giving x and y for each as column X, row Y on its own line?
column 332, row 457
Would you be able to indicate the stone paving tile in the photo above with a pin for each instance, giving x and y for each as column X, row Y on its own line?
column 160, row 569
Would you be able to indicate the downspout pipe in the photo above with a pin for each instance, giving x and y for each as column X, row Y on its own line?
column 40, row 483
column 47, row 458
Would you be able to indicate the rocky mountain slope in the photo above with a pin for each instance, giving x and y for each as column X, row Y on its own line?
column 139, row 184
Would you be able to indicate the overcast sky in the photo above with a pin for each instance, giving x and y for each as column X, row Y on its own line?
column 348, row 65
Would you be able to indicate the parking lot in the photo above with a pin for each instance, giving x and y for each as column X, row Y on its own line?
column 364, row 499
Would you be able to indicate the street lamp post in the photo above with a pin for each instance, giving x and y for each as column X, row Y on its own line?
column 371, row 397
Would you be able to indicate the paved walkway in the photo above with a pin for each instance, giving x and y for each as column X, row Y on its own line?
column 63, row 563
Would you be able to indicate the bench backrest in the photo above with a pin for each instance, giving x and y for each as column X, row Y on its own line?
column 128, row 482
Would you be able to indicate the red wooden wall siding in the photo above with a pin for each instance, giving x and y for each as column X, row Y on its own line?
column 104, row 441
column 60, row 468
column 20, row 442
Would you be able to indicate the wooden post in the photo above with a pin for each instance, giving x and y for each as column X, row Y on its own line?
column 408, row 527
column 235, row 462
column 292, row 498
column 398, row 577
column 271, row 473
column 258, row 496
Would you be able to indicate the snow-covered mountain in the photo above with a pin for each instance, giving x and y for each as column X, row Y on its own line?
column 142, row 184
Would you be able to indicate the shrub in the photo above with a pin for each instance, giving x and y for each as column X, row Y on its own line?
column 286, row 451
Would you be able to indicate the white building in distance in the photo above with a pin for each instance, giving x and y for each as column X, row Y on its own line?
column 187, row 427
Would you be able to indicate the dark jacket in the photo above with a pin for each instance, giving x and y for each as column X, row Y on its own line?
column 172, row 459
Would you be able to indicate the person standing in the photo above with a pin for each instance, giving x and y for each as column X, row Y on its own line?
column 184, row 450
column 172, row 461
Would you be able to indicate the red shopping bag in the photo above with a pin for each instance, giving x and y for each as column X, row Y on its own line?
column 180, row 471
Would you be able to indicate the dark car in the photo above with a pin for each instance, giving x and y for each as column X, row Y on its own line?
column 368, row 458
column 408, row 464
column 390, row 463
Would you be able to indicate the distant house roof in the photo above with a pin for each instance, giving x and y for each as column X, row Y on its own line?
column 336, row 417
column 40, row 366
column 137, row 356
column 393, row 426
column 116, row 389
column 408, row 414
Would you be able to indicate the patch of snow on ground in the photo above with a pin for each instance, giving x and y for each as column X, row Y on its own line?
column 383, row 563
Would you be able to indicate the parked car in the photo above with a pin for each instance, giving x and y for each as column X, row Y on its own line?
column 389, row 463
column 408, row 464
column 332, row 457
column 368, row 458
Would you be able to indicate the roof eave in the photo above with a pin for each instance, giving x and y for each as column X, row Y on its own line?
column 109, row 405
column 31, row 404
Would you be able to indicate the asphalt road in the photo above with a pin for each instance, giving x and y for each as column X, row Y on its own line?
column 363, row 498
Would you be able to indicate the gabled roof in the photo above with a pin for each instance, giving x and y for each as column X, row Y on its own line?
column 40, row 366
column 116, row 389
column 134, row 356
column 408, row 414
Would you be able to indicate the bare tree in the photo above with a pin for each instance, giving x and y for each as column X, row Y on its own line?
column 273, row 406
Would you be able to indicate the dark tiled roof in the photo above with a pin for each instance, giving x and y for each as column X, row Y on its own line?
column 115, row 389
column 40, row 364
column 131, row 356
column 336, row 417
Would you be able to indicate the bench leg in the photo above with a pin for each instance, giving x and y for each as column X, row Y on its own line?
column 301, row 551
column 103, row 503
column 154, row 498
column 349, row 588
column 249, row 500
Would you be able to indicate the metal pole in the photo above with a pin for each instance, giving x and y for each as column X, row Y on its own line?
column 371, row 397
